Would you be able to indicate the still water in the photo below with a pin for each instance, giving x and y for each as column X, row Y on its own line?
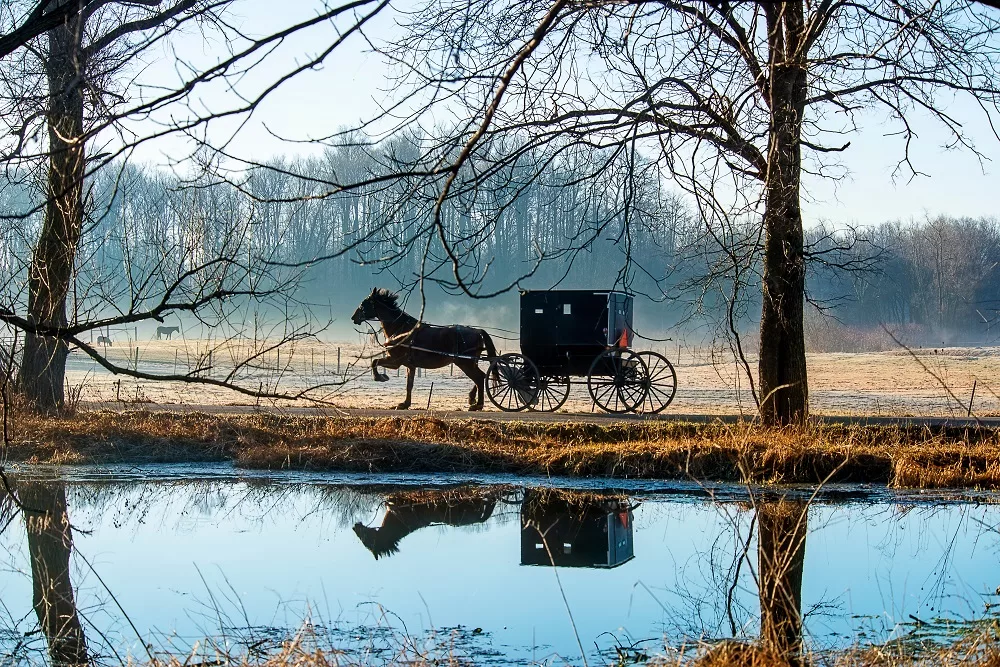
column 214, row 559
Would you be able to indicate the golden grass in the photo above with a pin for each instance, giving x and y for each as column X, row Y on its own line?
column 894, row 455
column 979, row 651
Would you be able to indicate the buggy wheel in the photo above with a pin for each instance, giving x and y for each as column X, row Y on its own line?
column 553, row 390
column 660, row 383
column 616, row 381
column 512, row 382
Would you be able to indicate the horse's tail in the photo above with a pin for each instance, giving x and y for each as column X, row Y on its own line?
column 491, row 350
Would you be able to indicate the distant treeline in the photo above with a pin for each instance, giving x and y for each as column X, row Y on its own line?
column 935, row 281
column 936, row 278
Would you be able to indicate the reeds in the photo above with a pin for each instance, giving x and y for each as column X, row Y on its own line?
column 898, row 456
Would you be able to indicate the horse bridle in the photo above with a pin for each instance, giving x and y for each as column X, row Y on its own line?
column 375, row 331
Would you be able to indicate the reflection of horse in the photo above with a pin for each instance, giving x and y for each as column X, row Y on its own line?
column 417, row 345
column 406, row 513
column 103, row 339
column 166, row 331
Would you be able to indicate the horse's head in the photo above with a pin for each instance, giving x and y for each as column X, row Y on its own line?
column 377, row 541
column 376, row 304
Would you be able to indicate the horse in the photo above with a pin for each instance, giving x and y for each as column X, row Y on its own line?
column 103, row 340
column 166, row 331
column 415, row 344
column 405, row 514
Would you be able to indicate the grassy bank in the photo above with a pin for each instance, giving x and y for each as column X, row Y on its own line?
column 977, row 650
column 898, row 456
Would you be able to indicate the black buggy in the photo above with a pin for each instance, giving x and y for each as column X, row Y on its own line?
column 579, row 333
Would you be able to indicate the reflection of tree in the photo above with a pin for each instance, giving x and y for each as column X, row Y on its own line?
column 781, row 548
column 50, row 542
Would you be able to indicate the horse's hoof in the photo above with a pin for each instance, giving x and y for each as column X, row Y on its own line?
column 402, row 406
column 475, row 408
column 381, row 378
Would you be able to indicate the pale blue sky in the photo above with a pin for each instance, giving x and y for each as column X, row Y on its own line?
column 345, row 90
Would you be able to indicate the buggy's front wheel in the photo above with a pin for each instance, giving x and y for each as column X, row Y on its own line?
column 512, row 382
column 615, row 380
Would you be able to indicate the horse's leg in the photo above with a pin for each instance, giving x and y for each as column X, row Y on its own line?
column 378, row 377
column 478, row 393
column 410, row 374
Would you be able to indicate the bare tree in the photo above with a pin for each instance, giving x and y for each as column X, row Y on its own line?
column 88, row 61
column 733, row 101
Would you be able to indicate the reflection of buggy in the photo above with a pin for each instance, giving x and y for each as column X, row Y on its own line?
column 575, row 531
column 567, row 333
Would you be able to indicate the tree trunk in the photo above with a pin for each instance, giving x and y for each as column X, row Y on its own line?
column 43, row 365
column 781, row 549
column 784, row 389
column 50, row 543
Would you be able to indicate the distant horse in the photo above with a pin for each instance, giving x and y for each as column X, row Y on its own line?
column 166, row 331
column 415, row 345
column 404, row 516
column 103, row 340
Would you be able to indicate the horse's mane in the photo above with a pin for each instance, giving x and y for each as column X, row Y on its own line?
column 378, row 541
column 386, row 297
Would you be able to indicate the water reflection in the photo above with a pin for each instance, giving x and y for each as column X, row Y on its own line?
column 782, row 527
column 624, row 556
column 407, row 512
column 50, row 543
column 568, row 529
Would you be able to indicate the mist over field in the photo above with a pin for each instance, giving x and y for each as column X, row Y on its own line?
column 933, row 281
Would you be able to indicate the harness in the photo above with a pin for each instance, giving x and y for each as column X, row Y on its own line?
column 388, row 345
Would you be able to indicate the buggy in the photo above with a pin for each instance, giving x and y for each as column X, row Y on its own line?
column 568, row 334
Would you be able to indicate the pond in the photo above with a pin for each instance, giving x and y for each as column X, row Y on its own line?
column 175, row 560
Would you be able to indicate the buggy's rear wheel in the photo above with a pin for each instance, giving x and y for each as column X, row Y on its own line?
column 553, row 390
column 615, row 380
column 660, row 383
column 512, row 382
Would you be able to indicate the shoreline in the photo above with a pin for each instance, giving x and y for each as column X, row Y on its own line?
column 898, row 455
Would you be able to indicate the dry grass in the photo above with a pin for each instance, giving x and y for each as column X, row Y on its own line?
column 978, row 651
column 894, row 455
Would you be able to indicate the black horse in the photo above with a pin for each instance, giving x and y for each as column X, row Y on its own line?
column 415, row 345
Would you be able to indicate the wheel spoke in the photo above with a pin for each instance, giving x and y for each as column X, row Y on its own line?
column 512, row 382
column 660, row 392
column 659, row 384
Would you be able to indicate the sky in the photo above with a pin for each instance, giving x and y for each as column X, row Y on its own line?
column 349, row 87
